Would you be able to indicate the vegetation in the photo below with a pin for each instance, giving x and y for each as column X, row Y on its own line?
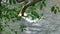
column 55, row 9
column 10, row 9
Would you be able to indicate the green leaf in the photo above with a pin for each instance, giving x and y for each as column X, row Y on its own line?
column 44, row 4
column 57, row 7
column 1, row 27
column 58, row 10
column 33, row 17
column 41, row 6
column 18, row 18
column 15, row 32
column 52, row 8
column 6, row 16
column 22, row 27
column 10, row 1
column 55, row 11
column 7, row 1
column 35, row 14
column 14, row 1
column 33, row 7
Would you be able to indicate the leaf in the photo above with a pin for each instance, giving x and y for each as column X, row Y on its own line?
column 18, row 18
column 35, row 14
column 58, row 10
column 22, row 27
column 14, row 1
column 6, row 16
column 44, row 4
column 33, row 7
column 41, row 6
column 15, row 32
column 7, row 1
column 55, row 11
column 33, row 17
column 52, row 8
column 10, row 1
column 57, row 7
column 1, row 27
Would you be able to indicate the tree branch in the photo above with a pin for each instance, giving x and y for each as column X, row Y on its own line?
column 27, row 5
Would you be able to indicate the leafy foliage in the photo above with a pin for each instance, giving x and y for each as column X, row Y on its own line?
column 52, row 8
column 22, row 27
column 55, row 9
column 42, row 4
column 11, row 1
column 0, row 27
column 33, row 13
column 10, row 12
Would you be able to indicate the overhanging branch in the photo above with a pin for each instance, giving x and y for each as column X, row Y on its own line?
column 27, row 5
